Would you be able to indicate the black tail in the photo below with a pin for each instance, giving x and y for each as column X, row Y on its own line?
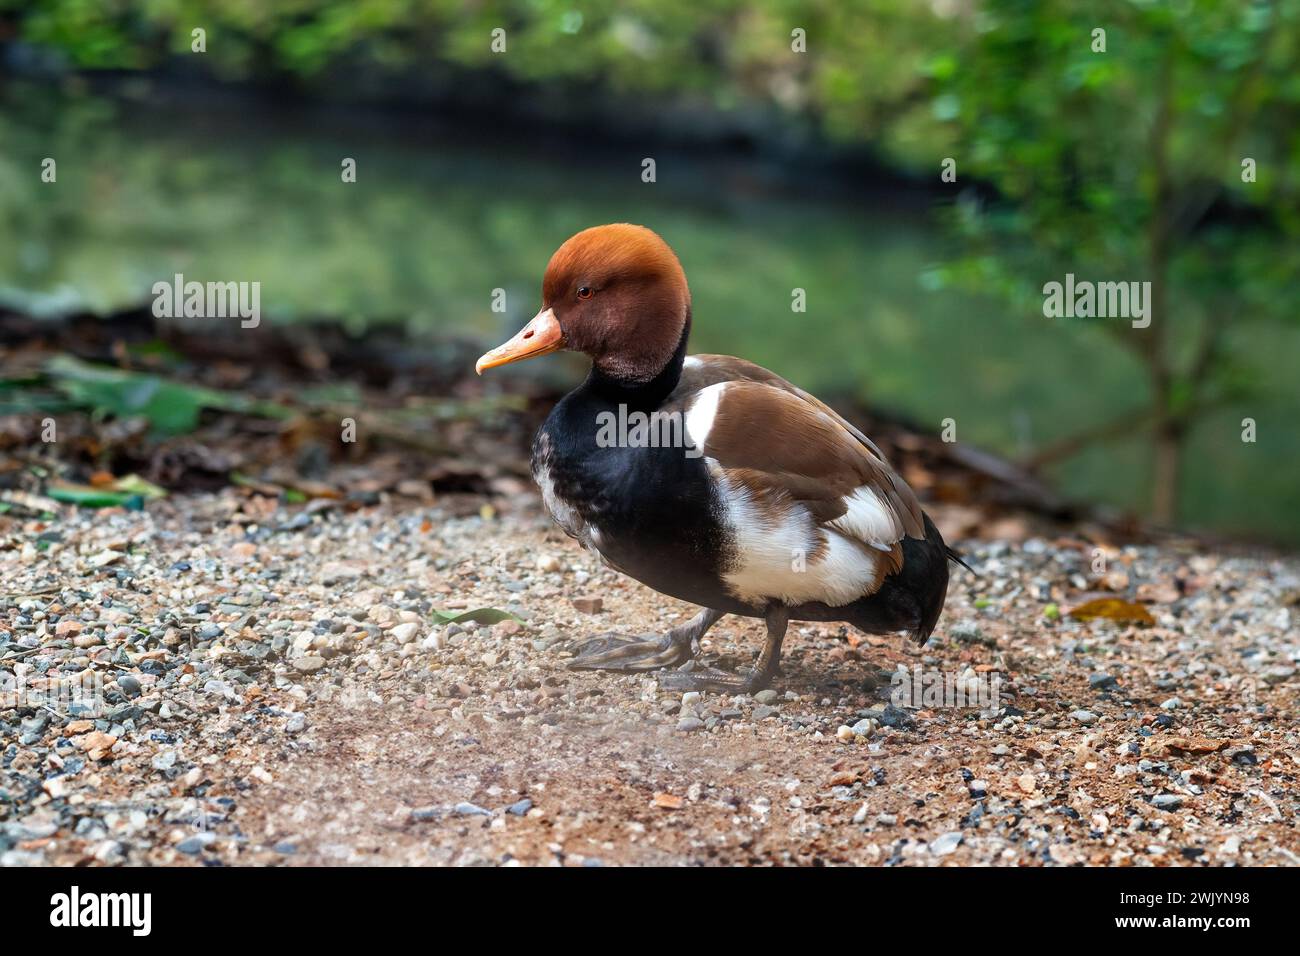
column 912, row 599
column 956, row 556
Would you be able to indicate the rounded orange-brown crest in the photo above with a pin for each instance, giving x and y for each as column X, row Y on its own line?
column 620, row 295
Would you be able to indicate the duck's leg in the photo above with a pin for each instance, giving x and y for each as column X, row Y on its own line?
column 609, row 652
column 758, row 676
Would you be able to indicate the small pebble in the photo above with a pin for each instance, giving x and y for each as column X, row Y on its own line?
column 945, row 844
column 196, row 843
column 405, row 633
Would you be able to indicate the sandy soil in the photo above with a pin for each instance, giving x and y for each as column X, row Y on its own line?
column 275, row 692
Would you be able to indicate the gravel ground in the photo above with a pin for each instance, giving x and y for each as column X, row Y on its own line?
column 273, row 692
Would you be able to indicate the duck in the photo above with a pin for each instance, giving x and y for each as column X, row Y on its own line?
column 711, row 479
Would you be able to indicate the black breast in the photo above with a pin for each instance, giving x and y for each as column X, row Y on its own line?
column 649, row 510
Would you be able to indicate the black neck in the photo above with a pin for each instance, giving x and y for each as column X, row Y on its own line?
column 643, row 394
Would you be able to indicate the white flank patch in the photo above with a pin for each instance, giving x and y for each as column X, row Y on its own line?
column 769, row 551
column 559, row 509
column 563, row 513
column 868, row 519
column 699, row 417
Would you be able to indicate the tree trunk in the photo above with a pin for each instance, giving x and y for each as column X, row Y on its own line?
column 1167, row 471
column 1168, row 438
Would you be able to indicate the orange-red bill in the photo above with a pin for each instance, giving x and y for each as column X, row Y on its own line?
column 539, row 337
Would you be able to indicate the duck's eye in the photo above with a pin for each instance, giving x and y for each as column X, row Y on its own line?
column 585, row 292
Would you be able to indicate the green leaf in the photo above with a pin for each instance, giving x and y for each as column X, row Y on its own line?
column 482, row 615
column 87, row 497
column 135, row 485
column 170, row 407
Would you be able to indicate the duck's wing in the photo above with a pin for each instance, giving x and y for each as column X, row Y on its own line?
column 760, row 422
column 800, row 487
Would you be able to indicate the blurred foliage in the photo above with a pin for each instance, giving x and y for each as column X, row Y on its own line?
column 865, row 75
column 1116, row 136
column 725, row 49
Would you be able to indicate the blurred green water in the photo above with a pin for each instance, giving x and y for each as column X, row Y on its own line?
column 435, row 223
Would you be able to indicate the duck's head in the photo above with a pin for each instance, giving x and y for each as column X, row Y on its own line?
column 615, row 293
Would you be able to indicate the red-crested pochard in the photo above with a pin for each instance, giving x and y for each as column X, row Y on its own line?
column 710, row 479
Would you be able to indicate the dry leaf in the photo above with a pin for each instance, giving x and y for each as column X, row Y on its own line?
column 667, row 801
column 1113, row 609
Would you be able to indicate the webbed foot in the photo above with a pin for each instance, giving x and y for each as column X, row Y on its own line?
column 752, row 680
column 710, row 678
column 609, row 652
